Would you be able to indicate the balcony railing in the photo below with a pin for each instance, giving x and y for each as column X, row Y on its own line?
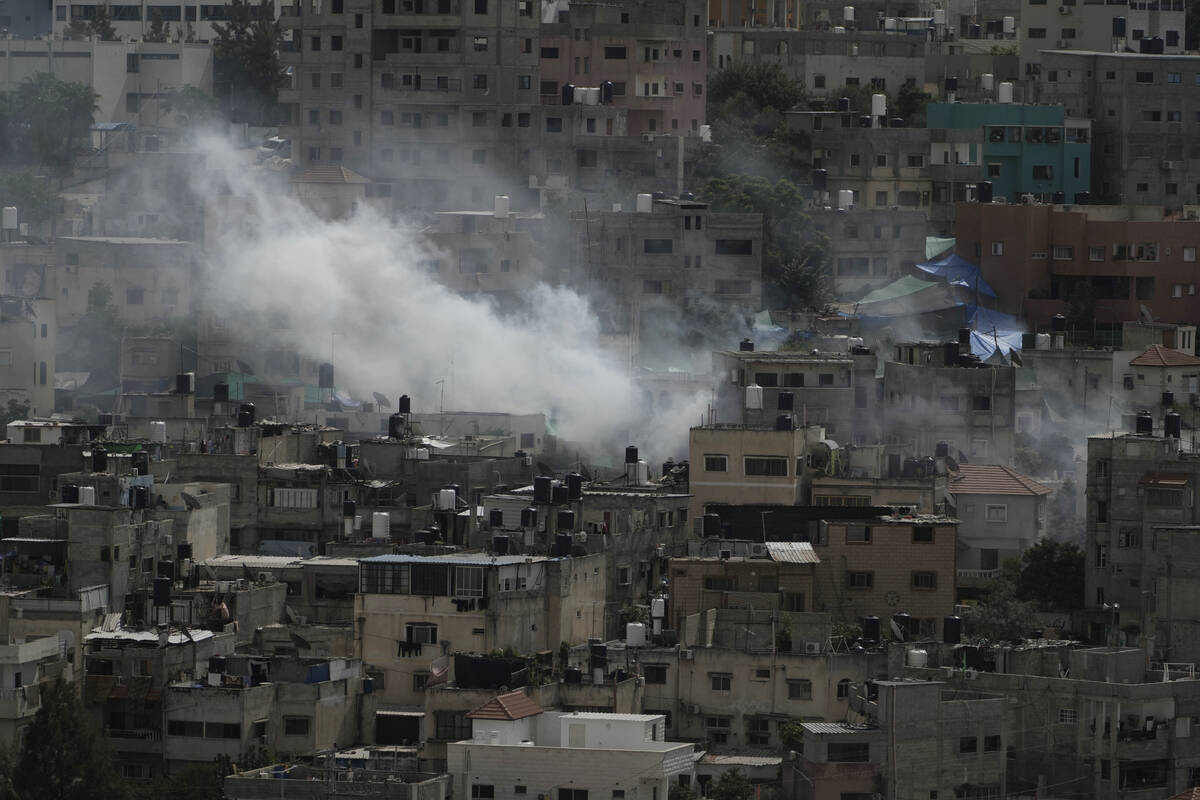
column 145, row 734
column 978, row 574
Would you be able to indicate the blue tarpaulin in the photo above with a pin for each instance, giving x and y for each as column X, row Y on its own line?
column 991, row 328
column 957, row 271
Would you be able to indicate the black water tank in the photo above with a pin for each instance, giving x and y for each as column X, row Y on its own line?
column 496, row 518
column 952, row 83
column 245, row 417
column 746, row 346
column 964, row 336
column 185, row 383
column 950, row 351
column 1058, row 198
column 598, row 655
column 951, row 630
column 99, row 459
column 162, row 592
column 559, row 494
column 787, row 401
column 631, row 455
column 864, row 121
column 140, row 461
column 983, row 191
column 710, row 526
column 606, row 92
column 1171, row 424
column 574, row 486
column 870, row 629
column 844, row 104
column 1118, row 27
column 1083, row 198
column 562, row 546
column 941, row 449
column 166, row 569
column 396, row 426
column 141, row 497
column 974, row 31
column 405, row 405
column 1144, row 423
column 500, row 545
column 784, row 423
column 1028, row 341
column 568, row 94
column 1168, row 399
column 529, row 517
column 543, row 489
column 903, row 621
column 1058, row 324
column 325, row 376
column 220, row 392
column 183, row 550
column 349, row 508
column 70, row 493
column 572, row 675
column 820, row 179
column 566, row 520
column 909, row 470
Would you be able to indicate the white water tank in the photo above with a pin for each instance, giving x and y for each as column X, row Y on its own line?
column 635, row 634
column 381, row 525
column 839, row 29
column 848, row 14
column 1010, row 26
column 500, row 207
column 879, row 105
column 917, row 658
column 658, row 608
column 939, row 16
column 754, row 396
column 443, row 500
column 889, row 24
column 10, row 218
column 87, row 495
column 579, row 95
column 591, row 96
column 645, row 202
column 854, row 49
column 987, row 81
column 1042, row 342
column 158, row 432
column 845, row 199
column 1005, row 93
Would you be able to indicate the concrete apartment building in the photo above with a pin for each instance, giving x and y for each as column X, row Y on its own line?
column 133, row 21
column 488, row 252
column 1131, row 257
column 1097, row 722
column 919, row 739
column 871, row 247
column 1142, row 115
column 1097, row 28
column 408, row 606
column 518, row 748
column 28, row 336
column 968, row 407
column 1140, row 540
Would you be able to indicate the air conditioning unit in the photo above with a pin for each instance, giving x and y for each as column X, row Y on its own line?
column 812, row 648
column 691, row 708
column 1169, row 165
column 166, row 539
column 685, row 655
column 648, row 138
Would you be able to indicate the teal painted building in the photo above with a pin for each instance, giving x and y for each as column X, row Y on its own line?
column 1021, row 149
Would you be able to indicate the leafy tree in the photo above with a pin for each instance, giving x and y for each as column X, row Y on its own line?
column 15, row 411
column 193, row 108
column 47, row 121
column 193, row 782
column 247, row 72
column 99, row 297
column 1002, row 614
column 59, row 758
column 681, row 792
column 31, row 193
column 791, row 733
column 753, row 86
column 732, row 785
column 101, row 25
column 910, row 104
column 160, row 29
column 1052, row 575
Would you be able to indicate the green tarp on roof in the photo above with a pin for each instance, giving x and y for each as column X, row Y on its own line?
column 936, row 245
column 899, row 288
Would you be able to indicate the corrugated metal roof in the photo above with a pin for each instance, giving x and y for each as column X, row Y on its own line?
column 252, row 561
column 793, row 552
column 456, row 561
column 994, row 479
column 837, row 728
column 741, row 761
column 606, row 717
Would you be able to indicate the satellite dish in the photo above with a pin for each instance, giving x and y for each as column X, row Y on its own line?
column 543, row 469
column 1145, row 313
column 381, row 400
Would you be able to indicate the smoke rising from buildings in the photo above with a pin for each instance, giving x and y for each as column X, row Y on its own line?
column 355, row 289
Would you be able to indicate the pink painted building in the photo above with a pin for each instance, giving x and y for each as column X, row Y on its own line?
column 653, row 53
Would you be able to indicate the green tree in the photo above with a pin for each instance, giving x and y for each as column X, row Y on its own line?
column 47, row 120
column 1002, row 614
column 1052, row 575
column 247, row 73
column 791, row 733
column 59, row 757
column 193, row 109
column 101, row 25
column 160, row 29
column 732, row 785
column 31, row 193
column 910, row 104
column 752, row 86
column 681, row 792
column 14, row 412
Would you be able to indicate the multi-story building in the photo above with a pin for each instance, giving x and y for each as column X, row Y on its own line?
column 28, row 333
column 1128, row 260
column 519, row 748
column 494, row 253
column 1098, row 29
column 1142, row 117
column 871, row 247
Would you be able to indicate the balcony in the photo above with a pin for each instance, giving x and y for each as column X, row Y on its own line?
column 142, row 734
column 20, row 703
column 977, row 574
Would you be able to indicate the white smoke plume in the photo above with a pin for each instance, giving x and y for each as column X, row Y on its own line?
column 357, row 284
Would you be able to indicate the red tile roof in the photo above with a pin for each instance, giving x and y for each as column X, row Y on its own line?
column 994, row 479
column 1158, row 356
column 514, row 705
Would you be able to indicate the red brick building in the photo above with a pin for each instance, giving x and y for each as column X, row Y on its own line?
column 1037, row 257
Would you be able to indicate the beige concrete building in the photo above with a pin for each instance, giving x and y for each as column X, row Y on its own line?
column 412, row 609
column 28, row 332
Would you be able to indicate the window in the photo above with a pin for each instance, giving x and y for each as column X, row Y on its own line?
column 735, row 247
column 335, row 117
column 997, row 248
column 1144, row 288
column 479, row 156
column 767, row 466
column 1144, row 77
column 720, row 583
column 717, row 729
column 924, row 580
column 858, row 534
column 860, row 580
column 654, row 673
column 1062, row 252
column 478, row 791
column 922, row 534
column 848, row 752
column 315, row 44
column 614, row 53
column 296, row 726
column 479, row 82
column 968, row 744
column 1067, row 716
column 134, row 296
column 996, row 513
column 991, row 744
column 720, row 681
column 1037, row 33
column 420, row 633
column 335, row 43
column 981, row 402
column 451, row 726
column 716, row 463
column 758, row 731
column 800, row 689
column 658, row 246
